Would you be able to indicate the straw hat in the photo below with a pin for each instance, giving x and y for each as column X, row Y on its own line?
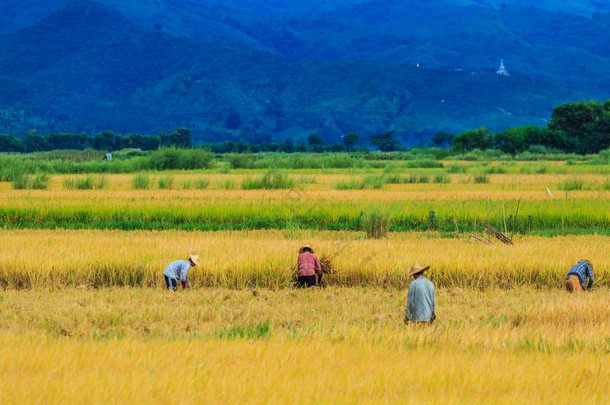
column 301, row 250
column 588, row 262
column 194, row 258
column 417, row 268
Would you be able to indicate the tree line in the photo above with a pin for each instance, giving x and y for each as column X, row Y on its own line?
column 106, row 141
column 579, row 127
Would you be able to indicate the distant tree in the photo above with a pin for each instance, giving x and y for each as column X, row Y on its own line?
column 288, row 146
column 337, row 147
column 67, row 141
column 442, row 139
column 586, row 125
column 315, row 142
column 107, row 141
column 481, row 138
column 181, row 138
column 350, row 140
column 301, row 147
column 384, row 142
column 35, row 142
column 10, row 143
column 314, row 139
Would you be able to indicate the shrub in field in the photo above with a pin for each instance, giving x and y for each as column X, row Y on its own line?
column 165, row 182
column 186, row 184
column 375, row 223
column 481, row 178
column 273, row 179
column 240, row 160
column 141, row 181
column 183, row 159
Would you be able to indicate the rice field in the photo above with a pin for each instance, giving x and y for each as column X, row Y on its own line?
column 306, row 346
column 85, row 318
column 266, row 259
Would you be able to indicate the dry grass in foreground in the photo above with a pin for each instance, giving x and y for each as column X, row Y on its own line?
column 339, row 345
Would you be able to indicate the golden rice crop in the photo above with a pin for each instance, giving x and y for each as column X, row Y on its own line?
column 32, row 258
column 306, row 346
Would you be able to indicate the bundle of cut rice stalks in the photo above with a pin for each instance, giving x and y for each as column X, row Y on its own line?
column 327, row 264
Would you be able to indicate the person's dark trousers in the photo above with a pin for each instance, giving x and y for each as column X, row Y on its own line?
column 306, row 281
column 171, row 283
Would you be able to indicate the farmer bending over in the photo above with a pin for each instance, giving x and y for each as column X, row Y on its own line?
column 576, row 280
column 308, row 267
column 421, row 304
column 178, row 270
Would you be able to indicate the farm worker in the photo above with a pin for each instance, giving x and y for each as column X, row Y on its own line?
column 421, row 304
column 178, row 270
column 308, row 266
column 576, row 280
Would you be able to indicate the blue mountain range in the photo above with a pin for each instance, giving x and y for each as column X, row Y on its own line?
column 261, row 71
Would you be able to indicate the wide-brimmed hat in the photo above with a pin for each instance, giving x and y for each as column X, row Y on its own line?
column 417, row 268
column 301, row 250
column 194, row 258
column 588, row 262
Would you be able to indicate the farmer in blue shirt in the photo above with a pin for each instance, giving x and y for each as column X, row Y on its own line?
column 421, row 303
column 178, row 270
column 576, row 280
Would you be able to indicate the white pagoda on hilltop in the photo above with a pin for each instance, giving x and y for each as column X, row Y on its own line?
column 501, row 70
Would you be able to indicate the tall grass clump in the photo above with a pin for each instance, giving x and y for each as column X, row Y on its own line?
column 165, row 182
column 373, row 182
column 417, row 178
column 603, row 158
column 351, row 184
column 21, row 181
column 480, row 178
column 495, row 170
column 273, row 179
column 441, row 178
column 227, row 184
column 201, row 184
column 141, row 181
column 573, row 184
column 456, row 168
column 375, row 223
column 85, row 183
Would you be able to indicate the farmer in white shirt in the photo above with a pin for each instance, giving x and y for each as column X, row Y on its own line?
column 421, row 302
column 178, row 270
